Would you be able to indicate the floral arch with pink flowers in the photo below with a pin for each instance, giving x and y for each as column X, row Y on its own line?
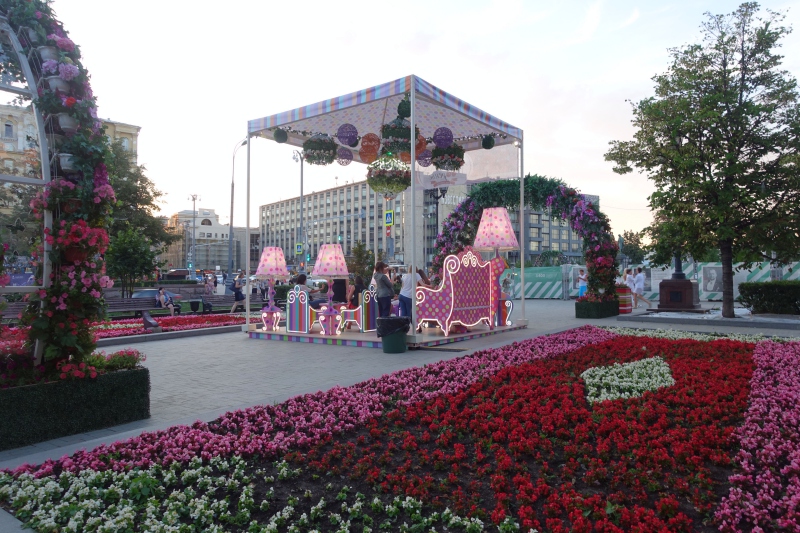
column 69, row 191
column 599, row 248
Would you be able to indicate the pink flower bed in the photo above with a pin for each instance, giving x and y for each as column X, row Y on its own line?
column 305, row 420
column 766, row 495
column 133, row 326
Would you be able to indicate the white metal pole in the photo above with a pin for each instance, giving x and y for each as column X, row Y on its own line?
column 522, row 321
column 247, row 245
column 413, row 264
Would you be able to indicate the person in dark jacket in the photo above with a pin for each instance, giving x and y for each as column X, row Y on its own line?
column 340, row 290
column 384, row 289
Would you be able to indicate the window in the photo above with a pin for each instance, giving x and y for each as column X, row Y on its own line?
column 533, row 246
column 564, row 234
column 534, row 232
column 9, row 130
column 535, row 218
column 202, row 234
column 576, row 247
column 125, row 144
column 545, row 240
column 205, row 222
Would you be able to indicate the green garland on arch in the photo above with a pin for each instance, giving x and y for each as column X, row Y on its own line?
column 599, row 248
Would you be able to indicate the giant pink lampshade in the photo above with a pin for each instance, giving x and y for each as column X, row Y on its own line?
column 272, row 264
column 495, row 231
column 330, row 262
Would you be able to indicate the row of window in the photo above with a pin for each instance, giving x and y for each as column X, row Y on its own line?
column 207, row 235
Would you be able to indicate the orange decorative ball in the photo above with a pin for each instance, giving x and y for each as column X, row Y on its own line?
column 367, row 156
column 421, row 143
column 405, row 157
column 371, row 142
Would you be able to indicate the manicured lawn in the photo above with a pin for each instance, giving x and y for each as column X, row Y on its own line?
column 679, row 435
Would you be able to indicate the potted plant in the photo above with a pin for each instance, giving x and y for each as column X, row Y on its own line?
column 319, row 150
column 388, row 176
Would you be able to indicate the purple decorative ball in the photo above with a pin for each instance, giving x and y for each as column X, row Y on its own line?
column 442, row 137
column 344, row 156
column 347, row 134
column 424, row 158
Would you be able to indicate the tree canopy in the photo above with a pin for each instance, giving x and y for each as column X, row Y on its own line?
column 719, row 139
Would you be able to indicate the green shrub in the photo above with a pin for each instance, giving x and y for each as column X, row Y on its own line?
column 780, row 297
column 282, row 291
column 37, row 413
column 596, row 309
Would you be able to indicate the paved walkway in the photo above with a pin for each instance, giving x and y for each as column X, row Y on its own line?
column 200, row 378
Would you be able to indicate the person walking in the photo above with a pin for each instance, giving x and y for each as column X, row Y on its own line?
column 639, row 284
column 583, row 279
column 209, row 285
column 629, row 280
column 384, row 289
column 238, row 294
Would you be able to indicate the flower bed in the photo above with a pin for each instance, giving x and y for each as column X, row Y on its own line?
column 504, row 436
column 133, row 326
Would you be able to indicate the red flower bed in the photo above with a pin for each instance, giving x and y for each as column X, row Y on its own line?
column 525, row 443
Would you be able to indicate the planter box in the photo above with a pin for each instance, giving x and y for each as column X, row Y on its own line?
column 596, row 309
column 37, row 413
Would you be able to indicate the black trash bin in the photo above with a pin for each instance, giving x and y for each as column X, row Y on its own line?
column 392, row 330
column 195, row 305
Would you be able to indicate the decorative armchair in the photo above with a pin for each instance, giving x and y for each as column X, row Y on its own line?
column 365, row 316
column 300, row 316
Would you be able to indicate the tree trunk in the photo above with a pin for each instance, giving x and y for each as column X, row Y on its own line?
column 726, row 256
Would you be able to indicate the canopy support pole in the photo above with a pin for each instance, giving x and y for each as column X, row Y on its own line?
column 521, row 321
column 247, row 245
column 413, row 265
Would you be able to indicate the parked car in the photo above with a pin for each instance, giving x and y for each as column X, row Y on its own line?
column 152, row 293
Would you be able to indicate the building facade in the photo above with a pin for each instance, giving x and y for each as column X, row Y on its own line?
column 353, row 212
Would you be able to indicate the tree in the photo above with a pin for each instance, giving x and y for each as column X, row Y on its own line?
column 632, row 246
column 719, row 140
column 137, row 199
column 361, row 261
column 130, row 256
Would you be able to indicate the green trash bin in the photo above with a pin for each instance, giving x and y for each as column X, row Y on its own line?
column 392, row 330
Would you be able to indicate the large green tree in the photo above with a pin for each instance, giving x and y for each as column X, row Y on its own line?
column 130, row 256
column 720, row 142
column 361, row 262
column 632, row 246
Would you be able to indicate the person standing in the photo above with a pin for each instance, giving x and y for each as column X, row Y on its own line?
column 583, row 279
column 406, row 290
column 238, row 295
column 384, row 290
column 629, row 280
column 639, row 284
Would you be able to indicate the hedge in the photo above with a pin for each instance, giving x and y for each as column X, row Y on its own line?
column 779, row 297
column 37, row 413
column 166, row 282
column 596, row 309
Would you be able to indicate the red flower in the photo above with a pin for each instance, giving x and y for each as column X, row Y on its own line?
column 69, row 102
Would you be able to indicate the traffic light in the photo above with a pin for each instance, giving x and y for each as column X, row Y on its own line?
column 189, row 265
column 308, row 257
column 340, row 238
column 302, row 265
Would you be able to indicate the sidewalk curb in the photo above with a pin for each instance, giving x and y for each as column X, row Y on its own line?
column 8, row 523
column 727, row 322
column 149, row 337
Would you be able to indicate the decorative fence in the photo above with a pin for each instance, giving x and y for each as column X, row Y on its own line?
column 556, row 282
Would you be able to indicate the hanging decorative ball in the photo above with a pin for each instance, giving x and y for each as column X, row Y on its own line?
column 280, row 136
column 405, row 157
column 487, row 142
column 421, row 143
column 371, row 142
column 347, row 134
column 404, row 108
column 354, row 144
column 344, row 156
column 443, row 137
column 367, row 156
column 424, row 158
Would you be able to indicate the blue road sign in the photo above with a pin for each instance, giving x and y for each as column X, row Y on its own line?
column 390, row 218
column 298, row 248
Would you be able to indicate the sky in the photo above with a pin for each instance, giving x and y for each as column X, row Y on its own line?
column 192, row 74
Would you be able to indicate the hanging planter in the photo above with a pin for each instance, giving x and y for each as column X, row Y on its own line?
column 75, row 254
column 488, row 142
column 450, row 158
column 48, row 53
column 67, row 123
column 67, row 163
column 396, row 137
column 56, row 140
column 388, row 176
column 30, row 33
column 404, row 107
column 70, row 205
column 57, row 84
column 319, row 150
column 280, row 136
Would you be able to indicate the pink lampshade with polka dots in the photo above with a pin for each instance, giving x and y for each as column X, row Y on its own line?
column 330, row 262
column 272, row 264
column 495, row 231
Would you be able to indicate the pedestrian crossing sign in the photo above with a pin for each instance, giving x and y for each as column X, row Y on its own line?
column 389, row 218
column 298, row 248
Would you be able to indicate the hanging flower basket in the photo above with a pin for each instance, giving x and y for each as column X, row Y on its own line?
column 57, row 84
column 450, row 158
column 67, row 163
column 280, row 136
column 48, row 53
column 67, row 123
column 70, row 205
column 396, row 137
column 388, row 176
column 320, row 150
column 75, row 254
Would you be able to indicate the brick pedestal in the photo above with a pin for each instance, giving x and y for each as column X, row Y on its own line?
column 678, row 295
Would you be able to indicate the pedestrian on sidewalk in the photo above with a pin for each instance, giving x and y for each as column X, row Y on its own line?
column 639, row 284
column 630, row 281
column 582, row 281
column 238, row 295
column 384, row 289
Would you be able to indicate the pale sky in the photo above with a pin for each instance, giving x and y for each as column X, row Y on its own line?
column 192, row 74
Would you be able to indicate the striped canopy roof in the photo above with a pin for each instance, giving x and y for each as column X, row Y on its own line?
column 368, row 109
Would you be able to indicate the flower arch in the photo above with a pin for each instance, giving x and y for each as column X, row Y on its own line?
column 599, row 248
column 75, row 198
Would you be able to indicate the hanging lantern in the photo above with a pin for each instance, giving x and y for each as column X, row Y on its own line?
column 421, row 143
column 280, row 136
column 371, row 142
column 424, row 158
column 487, row 142
column 347, row 134
column 367, row 156
column 443, row 137
column 344, row 156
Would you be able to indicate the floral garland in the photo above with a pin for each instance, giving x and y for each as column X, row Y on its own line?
column 388, row 176
column 450, row 158
column 81, row 203
column 396, row 137
column 319, row 150
column 600, row 250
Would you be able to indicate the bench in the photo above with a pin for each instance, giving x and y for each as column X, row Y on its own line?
column 225, row 301
column 468, row 295
column 135, row 305
column 12, row 310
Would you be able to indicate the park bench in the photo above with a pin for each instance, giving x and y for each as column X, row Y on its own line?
column 12, row 310
column 135, row 305
column 225, row 301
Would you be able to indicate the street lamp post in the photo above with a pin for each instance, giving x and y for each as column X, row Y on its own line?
column 298, row 156
column 194, row 198
column 437, row 194
column 230, row 220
